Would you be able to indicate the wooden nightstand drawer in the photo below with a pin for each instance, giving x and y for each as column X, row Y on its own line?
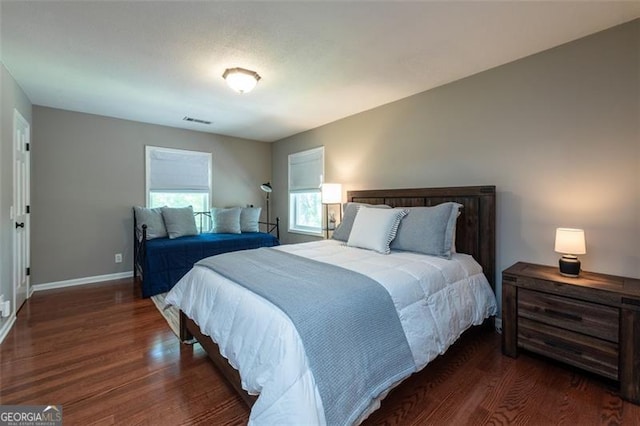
column 563, row 290
column 587, row 318
column 587, row 352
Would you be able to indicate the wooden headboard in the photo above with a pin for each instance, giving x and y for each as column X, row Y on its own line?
column 476, row 227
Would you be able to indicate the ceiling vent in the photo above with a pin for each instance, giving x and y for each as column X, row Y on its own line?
column 196, row 120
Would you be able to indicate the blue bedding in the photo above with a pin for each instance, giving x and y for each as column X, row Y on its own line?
column 168, row 260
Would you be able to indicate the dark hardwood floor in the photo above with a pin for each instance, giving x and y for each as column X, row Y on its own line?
column 109, row 357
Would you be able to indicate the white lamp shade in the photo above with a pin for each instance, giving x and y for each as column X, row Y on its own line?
column 240, row 79
column 570, row 241
column 331, row 193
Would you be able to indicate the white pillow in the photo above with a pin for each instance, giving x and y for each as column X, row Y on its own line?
column 350, row 211
column 374, row 229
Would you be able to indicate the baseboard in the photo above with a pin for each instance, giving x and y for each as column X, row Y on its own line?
column 6, row 327
column 498, row 324
column 82, row 281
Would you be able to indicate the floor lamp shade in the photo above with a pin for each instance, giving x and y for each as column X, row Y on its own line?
column 266, row 187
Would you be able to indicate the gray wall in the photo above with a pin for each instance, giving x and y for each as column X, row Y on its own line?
column 556, row 132
column 12, row 97
column 87, row 173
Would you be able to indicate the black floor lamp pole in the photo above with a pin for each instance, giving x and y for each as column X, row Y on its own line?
column 268, row 221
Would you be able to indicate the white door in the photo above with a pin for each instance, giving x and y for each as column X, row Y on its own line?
column 21, row 201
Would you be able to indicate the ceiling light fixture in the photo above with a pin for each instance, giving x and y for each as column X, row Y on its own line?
column 240, row 79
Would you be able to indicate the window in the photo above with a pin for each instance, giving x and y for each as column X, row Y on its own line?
column 305, row 205
column 178, row 178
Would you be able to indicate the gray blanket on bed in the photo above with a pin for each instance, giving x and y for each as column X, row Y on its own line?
column 348, row 324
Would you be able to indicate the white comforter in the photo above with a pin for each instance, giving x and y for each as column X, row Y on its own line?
column 436, row 300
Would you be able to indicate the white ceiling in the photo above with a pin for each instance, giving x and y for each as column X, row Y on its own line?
column 157, row 62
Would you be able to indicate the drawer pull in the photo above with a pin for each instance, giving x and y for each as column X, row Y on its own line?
column 563, row 346
column 566, row 315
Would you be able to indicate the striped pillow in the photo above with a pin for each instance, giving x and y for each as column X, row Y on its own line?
column 374, row 229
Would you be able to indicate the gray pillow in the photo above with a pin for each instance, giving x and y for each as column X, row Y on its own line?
column 179, row 221
column 225, row 221
column 249, row 217
column 154, row 221
column 343, row 230
column 428, row 230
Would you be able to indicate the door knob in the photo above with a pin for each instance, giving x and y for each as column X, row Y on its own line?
column 19, row 225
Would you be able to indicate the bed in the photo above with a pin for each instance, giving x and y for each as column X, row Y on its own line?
column 159, row 263
column 276, row 379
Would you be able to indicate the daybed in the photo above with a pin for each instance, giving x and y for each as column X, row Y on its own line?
column 161, row 262
column 288, row 375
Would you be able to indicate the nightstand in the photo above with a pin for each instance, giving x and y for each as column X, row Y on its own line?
column 591, row 322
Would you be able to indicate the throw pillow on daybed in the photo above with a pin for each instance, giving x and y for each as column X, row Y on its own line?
column 179, row 221
column 154, row 221
column 225, row 221
column 249, row 217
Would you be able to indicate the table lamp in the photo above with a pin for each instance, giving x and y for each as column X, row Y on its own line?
column 570, row 242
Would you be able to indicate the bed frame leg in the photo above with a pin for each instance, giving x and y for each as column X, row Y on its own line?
column 185, row 334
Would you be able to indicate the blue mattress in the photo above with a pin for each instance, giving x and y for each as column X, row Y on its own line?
column 168, row 260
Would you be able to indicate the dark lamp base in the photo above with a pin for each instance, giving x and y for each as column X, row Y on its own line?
column 569, row 266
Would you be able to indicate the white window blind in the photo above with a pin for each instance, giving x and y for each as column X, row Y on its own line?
column 179, row 178
column 178, row 170
column 305, row 169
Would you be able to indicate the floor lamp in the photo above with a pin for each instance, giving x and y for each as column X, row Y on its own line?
column 266, row 187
